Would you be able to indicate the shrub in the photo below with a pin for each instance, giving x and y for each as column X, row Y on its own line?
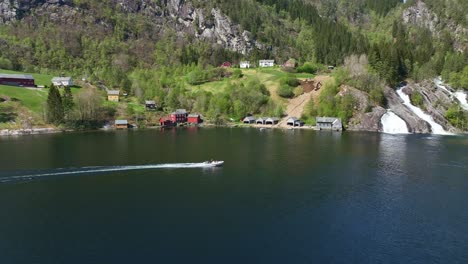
column 308, row 67
column 285, row 91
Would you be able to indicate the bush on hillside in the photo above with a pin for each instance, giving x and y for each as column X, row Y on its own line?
column 285, row 91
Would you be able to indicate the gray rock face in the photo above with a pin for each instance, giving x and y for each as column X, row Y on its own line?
column 211, row 26
column 414, row 123
column 420, row 15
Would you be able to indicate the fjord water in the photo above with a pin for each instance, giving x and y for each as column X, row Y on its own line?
column 282, row 196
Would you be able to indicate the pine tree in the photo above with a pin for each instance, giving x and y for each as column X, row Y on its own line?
column 67, row 102
column 54, row 106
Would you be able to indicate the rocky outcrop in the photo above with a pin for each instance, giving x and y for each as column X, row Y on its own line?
column 420, row 15
column 211, row 26
column 414, row 123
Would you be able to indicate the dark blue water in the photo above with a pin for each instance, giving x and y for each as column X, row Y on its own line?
column 282, row 197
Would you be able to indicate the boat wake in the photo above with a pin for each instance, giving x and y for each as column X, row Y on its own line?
column 94, row 170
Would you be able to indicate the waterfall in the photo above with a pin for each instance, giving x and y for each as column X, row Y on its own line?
column 459, row 95
column 436, row 128
column 393, row 124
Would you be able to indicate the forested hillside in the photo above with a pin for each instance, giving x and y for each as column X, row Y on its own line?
column 151, row 48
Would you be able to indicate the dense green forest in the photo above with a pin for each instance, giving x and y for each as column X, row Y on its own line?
column 132, row 50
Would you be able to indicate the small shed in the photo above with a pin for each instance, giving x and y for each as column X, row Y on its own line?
column 261, row 121
column 62, row 81
column 166, row 122
column 249, row 120
column 295, row 122
column 194, row 119
column 244, row 64
column 121, row 124
column 113, row 95
column 272, row 121
column 150, row 105
column 266, row 63
column 226, row 64
column 329, row 123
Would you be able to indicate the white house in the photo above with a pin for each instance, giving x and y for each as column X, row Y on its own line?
column 62, row 81
column 266, row 63
column 244, row 64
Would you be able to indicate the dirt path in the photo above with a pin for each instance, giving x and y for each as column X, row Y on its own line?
column 296, row 106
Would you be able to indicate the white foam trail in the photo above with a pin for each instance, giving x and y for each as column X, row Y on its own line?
column 393, row 124
column 436, row 128
column 459, row 95
column 85, row 170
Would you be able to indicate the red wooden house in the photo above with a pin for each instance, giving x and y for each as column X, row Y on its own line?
column 17, row 79
column 179, row 116
column 165, row 122
column 194, row 119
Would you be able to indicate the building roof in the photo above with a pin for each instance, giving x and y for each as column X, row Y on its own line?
column 180, row 111
column 267, row 60
column 113, row 92
column 249, row 118
column 61, row 79
column 294, row 119
column 272, row 119
column 121, row 122
column 17, row 76
column 150, row 102
column 194, row 115
column 327, row 119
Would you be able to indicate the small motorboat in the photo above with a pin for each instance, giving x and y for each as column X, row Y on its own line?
column 214, row 163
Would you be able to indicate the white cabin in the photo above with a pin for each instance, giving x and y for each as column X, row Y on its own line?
column 62, row 81
column 266, row 63
column 244, row 64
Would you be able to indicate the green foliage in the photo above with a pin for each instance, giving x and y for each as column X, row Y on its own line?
column 285, row 91
column 417, row 99
column 309, row 67
column 55, row 112
column 67, row 101
column 457, row 117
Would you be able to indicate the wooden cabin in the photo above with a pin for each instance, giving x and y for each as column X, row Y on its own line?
column 113, row 95
column 121, row 124
column 266, row 63
column 62, row 81
column 244, row 64
column 194, row 119
column 25, row 80
column 179, row 116
column 150, row 105
column 166, row 122
column 329, row 123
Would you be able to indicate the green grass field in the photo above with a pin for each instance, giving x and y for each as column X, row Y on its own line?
column 39, row 79
column 270, row 77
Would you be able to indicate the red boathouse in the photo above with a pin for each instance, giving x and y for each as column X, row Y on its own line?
column 179, row 116
column 194, row 119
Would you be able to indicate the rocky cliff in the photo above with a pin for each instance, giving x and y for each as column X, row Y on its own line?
column 211, row 26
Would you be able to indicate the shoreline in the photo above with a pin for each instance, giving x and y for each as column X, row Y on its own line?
column 52, row 130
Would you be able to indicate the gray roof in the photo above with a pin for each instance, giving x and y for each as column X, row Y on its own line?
column 17, row 76
column 61, row 79
column 121, row 122
column 113, row 92
column 180, row 111
column 150, row 102
column 272, row 119
column 267, row 60
column 261, row 118
column 249, row 118
column 326, row 119
column 194, row 115
column 294, row 119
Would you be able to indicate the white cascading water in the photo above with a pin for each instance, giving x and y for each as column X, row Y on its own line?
column 393, row 124
column 436, row 128
column 460, row 95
